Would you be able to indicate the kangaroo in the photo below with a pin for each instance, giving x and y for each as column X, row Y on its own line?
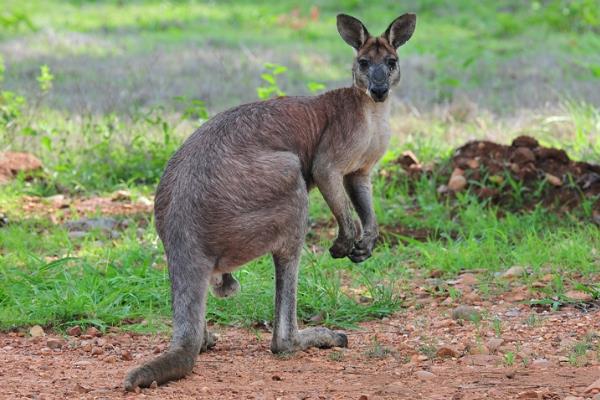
column 238, row 188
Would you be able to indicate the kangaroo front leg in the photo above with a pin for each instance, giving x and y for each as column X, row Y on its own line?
column 359, row 189
column 331, row 186
column 286, row 336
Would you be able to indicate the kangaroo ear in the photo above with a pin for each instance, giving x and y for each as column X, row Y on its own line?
column 352, row 30
column 401, row 30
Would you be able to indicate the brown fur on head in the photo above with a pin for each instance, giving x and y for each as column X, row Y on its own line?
column 375, row 69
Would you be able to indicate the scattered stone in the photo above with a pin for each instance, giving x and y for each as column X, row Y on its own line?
column 408, row 160
column 442, row 189
column 126, row 355
column 121, row 195
column 522, row 155
column 457, row 180
column 145, row 201
column 58, row 200
column 494, row 344
column 276, row 378
column 540, row 363
column 593, row 388
column 83, row 363
column 111, row 359
column 93, row 332
column 446, row 352
column 466, row 313
column 55, row 343
column 512, row 313
column 153, row 385
column 513, row 272
column 530, row 394
column 478, row 349
column 74, row 331
column 576, row 295
column 424, row 375
column 96, row 351
column 553, row 180
column 87, row 224
column 157, row 349
column 79, row 388
column 468, row 279
column 36, row 331
column 473, row 164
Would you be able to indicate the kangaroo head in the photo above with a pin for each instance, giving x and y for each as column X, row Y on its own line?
column 375, row 68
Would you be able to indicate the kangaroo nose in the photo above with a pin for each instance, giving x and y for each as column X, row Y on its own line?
column 379, row 92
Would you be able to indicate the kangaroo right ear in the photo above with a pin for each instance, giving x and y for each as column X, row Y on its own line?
column 352, row 30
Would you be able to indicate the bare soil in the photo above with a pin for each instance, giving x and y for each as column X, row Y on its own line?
column 531, row 356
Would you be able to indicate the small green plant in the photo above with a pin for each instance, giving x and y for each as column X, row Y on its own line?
column 578, row 352
column 270, row 87
column 509, row 359
column 377, row 350
column 454, row 293
column 194, row 109
column 336, row 356
column 428, row 349
column 497, row 326
column 45, row 79
column 533, row 320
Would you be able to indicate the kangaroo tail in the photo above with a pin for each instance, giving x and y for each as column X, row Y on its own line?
column 189, row 285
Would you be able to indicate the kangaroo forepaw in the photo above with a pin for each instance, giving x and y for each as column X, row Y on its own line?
column 362, row 249
column 341, row 247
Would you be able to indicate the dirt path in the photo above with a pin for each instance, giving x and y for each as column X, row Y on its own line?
column 536, row 358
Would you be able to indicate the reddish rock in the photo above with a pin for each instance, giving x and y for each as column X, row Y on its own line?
column 55, row 343
column 93, row 332
column 446, row 352
column 74, row 331
column 12, row 163
column 522, row 155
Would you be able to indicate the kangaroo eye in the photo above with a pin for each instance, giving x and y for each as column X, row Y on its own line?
column 392, row 63
column 363, row 63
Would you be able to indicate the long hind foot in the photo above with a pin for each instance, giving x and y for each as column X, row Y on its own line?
column 320, row 337
column 224, row 285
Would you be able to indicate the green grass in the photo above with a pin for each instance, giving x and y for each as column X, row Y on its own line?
column 49, row 279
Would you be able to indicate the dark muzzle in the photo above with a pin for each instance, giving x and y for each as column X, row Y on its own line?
column 378, row 83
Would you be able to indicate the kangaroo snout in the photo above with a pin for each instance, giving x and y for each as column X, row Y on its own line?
column 379, row 93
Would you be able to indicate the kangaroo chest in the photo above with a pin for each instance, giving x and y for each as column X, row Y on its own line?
column 376, row 133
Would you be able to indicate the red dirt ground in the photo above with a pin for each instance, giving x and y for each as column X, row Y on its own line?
column 382, row 362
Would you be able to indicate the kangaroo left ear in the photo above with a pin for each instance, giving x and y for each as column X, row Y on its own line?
column 401, row 30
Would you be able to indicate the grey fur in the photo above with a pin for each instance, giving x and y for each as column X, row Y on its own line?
column 238, row 189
